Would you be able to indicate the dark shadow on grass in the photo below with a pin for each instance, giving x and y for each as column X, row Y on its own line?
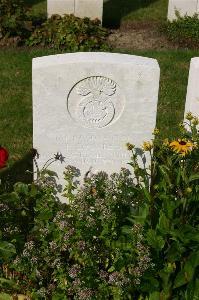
column 30, row 3
column 115, row 10
column 17, row 173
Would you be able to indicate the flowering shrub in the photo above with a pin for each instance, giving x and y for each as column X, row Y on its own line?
column 119, row 237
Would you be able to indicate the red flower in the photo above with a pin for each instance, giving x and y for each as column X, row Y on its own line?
column 3, row 157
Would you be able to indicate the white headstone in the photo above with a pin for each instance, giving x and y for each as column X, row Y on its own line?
column 184, row 7
column 89, row 8
column 81, row 8
column 60, row 7
column 89, row 105
column 192, row 100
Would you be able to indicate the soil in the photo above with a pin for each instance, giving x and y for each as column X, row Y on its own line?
column 140, row 37
column 130, row 36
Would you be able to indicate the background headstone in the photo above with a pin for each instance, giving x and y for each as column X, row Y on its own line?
column 81, row 8
column 192, row 99
column 60, row 7
column 184, row 7
column 87, row 106
column 89, row 8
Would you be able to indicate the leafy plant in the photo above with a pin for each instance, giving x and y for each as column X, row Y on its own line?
column 170, row 213
column 184, row 31
column 70, row 33
column 14, row 20
column 127, row 236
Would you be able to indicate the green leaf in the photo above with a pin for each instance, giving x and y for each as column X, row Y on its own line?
column 175, row 251
column 126, row 230
column 59, row 296
column 165, row 172
column 188, row 271
column 142, row 214
column 180, row 279
column 7, row 250
column 194, row 177
column 111, row 269
column 154, row 240
column 4, row 296
column 154, row 296
column 164, row 224
column 7, row 283
column 49, row 173
column 147, row 194
column 21, row 188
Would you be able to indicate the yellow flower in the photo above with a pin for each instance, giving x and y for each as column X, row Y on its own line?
column 188, row 190
column 147, row 146
column 189, row 116
column 181, row 146
column 156, row 131
column 130, row 146
column 195, row 121
column 166, row 142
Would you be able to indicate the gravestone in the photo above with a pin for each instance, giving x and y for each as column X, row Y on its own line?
column 89, row 8
column 81, row 8
column 184, row 7
column 192, row 99
column 87, row 106
column 60, row 7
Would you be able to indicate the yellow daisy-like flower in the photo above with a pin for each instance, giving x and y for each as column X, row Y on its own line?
column 195, row 121
column 156, row 131
column 130, row 146
column 189, row 116
column 181, row 146
column 147, row 146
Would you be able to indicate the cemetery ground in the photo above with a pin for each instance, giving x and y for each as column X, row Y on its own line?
column 134, row 24
column 172, row 217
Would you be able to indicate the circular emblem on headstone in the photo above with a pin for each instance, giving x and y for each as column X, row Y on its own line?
column 95, row 102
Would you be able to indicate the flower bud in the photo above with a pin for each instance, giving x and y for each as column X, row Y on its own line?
column 189, row 116
column 130, row 146
column 147, row 146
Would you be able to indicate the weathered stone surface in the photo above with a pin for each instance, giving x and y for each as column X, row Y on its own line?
column 60, row 7
column 89, row 105
column 184, row 7
column 192, row 99
column 81, row 8
column 89, row 8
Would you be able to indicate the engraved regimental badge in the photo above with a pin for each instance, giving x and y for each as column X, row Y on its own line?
column 95, row 102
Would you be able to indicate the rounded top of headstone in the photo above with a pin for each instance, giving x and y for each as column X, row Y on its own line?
column 111, row 58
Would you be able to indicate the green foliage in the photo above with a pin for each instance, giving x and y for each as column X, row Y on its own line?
column 88, row 249
column 14, row 20
column 119, row 237
column 67, row 33
column 70, row 33
column 184, row 31
column 172, row 223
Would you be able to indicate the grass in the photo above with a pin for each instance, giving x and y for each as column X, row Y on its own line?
column 118, row 11
column 37, row 6
column 146, row 11
column 16, row 99
column 15, row 83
